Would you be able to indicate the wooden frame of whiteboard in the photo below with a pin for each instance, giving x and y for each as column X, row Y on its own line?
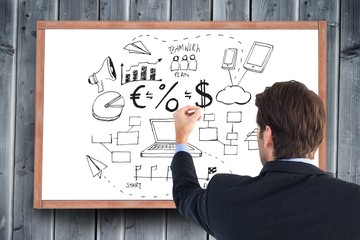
column 40, row 53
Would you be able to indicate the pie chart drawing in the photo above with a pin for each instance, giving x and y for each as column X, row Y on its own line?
column 108, row 106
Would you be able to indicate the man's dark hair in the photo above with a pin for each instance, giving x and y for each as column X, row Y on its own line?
column 296, row 116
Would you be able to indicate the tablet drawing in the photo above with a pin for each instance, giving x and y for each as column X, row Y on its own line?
column 258, row 57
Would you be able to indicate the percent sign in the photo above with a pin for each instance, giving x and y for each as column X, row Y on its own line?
column 170, row 109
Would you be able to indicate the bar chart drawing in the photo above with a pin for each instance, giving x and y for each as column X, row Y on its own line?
column 143, row 71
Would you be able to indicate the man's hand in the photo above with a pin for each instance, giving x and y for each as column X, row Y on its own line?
column 185, row 119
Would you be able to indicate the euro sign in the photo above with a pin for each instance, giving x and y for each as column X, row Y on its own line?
column 206, row 99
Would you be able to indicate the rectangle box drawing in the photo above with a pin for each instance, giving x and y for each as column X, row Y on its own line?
column 134, row 121
column 234, row 117
column 121, row 157
column 101, row 138
column 208, row 134
column 209, row 117
column 127, row 138
column 230, row 149
column 231, row 136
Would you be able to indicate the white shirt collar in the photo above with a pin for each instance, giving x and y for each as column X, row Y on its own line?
column 303, row 160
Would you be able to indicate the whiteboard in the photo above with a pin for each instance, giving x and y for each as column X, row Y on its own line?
column 109, row 97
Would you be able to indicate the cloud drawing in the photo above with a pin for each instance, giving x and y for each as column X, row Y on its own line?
column 233, row 94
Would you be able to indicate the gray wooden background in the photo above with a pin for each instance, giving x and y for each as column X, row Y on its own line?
column 18, row 219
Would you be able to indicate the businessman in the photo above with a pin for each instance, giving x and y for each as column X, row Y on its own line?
column 290, row 198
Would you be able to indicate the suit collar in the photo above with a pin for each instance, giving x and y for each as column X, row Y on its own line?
column 291, row 167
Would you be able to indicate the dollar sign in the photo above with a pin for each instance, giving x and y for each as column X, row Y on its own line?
column 200, row 89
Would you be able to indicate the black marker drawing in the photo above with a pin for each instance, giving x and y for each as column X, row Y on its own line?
column 232, row 117
column 143, row 71
column 123, row 138
column 135, row 96
column 96, row 167
column 106, row 72
column 106, row 138
column 233, row 95
column 128, row 138
column 208, row 133
column 151, row 175
column 134, row 121
column 257, row 58
column 185, row 59
column 167, row 107
column 168, row 173
column 164, row 145
column 137, row 48
column 206, row 99
column 211, row 170
column 108, row 106
column 211, row 133
column 175, row 65
column 193, row 63
column 152, row 168
column 120, row 156
column 251, row 138
column 137, row 168
column 229, row 59
column 184, row 64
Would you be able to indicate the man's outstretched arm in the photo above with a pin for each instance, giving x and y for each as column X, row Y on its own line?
column 189, row 197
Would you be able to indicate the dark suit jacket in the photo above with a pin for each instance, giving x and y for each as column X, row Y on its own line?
column 288, row 200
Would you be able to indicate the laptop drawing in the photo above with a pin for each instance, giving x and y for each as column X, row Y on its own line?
column 164, row 146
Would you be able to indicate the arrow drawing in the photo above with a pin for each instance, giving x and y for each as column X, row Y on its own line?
column 144, row 63
column 149, row 95
column 96, row 166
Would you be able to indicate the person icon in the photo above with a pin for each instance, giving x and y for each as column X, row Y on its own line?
column 192, row 63
column 175, row 64
column 184, row 65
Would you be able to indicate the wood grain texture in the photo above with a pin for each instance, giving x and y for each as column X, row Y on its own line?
column 145, row 224
column 28, row 223
column 349, row 92
column 114, row 10
column 78, row 10
column 328, row 10
column 150, row 10
column 75, row 224
column 110, row 224
column 179, row 228
column 7, row 113
column 231, row 10
column 19, row 46
column 274, row 10
column 191, row 10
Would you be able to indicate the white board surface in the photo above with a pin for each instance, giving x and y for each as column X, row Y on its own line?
column 96, row 134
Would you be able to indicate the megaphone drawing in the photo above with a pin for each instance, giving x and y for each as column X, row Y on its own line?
column 106, row 72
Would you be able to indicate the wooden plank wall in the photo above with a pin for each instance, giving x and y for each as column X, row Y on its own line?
column 18, row 219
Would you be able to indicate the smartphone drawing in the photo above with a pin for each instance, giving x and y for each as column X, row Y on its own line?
column 229, row 60
column 258, row 57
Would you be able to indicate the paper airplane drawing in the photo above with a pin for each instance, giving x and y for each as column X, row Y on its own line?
column 137, row 48
column 96, row 166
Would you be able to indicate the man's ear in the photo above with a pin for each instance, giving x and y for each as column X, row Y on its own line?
column 268, row 137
